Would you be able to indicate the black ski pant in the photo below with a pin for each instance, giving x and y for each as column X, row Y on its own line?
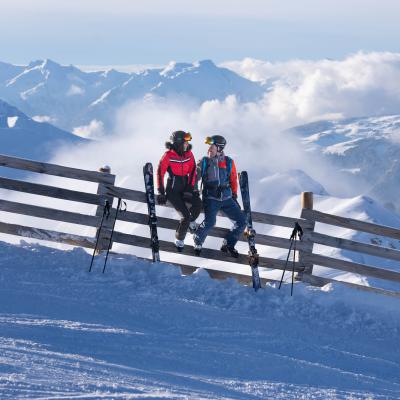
column 180, row 200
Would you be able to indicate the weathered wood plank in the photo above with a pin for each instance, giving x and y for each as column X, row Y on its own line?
column 49, row 213
column 350, row 223
column 211, row 254
column 279, row 220
column 127, row 194
column 169, row 223
column 53, row 169
column 371, row 249
column 320, row 281
column 47, row 235
column 350, row 266
column 50, row 191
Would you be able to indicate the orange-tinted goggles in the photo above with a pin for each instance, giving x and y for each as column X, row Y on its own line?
column 187, row 137
column 209, row 140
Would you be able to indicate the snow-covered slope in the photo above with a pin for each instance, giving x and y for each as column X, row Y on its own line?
column 71, row 97
column 143, row 331
column 23, row 137
column 366, row 150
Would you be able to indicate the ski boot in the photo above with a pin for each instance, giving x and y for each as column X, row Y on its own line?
column 179, row 244
column 229, row 250
column 197, row 249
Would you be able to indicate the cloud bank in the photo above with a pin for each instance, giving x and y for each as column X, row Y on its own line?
column 302, row 91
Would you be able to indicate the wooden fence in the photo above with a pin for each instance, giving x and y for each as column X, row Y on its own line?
column 106, row 190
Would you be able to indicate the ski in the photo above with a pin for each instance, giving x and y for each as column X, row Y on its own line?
column 250, row 233
column 151, row 205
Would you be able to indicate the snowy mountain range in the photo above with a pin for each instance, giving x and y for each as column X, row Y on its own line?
column 366, row 150
column 69, row 97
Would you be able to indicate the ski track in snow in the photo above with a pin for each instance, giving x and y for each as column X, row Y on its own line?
column 143, row 331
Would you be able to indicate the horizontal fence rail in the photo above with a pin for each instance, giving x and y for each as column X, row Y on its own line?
column 368, row 227
column 211, row 254
column 350, row 266
column 51, row 191
column 47, row 235
column 352, row 245
column 107, row 190
column 49, row 213
column 56, row 170
column 170, row 223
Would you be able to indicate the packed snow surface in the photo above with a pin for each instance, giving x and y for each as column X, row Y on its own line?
column 141, row 330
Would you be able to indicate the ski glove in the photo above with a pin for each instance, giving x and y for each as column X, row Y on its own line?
column 161, row 199
column 196, row 194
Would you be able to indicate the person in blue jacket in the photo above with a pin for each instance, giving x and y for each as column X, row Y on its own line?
column 219, row 186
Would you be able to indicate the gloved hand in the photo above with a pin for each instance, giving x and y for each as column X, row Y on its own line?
column 235, row 199
column 196, row 194
column 161, row 199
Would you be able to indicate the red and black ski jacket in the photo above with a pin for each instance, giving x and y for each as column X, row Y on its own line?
column 181, row 171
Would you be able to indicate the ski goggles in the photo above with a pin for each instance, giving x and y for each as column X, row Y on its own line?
column 187, row 137
column 209, row 140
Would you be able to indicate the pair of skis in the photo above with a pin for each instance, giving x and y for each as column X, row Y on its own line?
column 105, row 216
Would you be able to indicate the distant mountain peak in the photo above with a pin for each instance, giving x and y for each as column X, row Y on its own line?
column 206, row 64
column 174, row 68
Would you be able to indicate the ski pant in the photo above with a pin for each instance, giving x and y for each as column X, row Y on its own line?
column 231, row 209
column 179, row 200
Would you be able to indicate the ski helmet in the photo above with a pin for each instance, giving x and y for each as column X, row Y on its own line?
column 180, row 137
column 218, row 140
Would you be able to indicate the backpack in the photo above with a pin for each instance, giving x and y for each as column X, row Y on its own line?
column 204, row 163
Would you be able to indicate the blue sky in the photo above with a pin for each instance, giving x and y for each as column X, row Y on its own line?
column 128, row 32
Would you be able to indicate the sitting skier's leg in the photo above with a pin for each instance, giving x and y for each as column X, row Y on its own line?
column 231, row 209
column 176, row 199
column 211, row 208
column 194, row 204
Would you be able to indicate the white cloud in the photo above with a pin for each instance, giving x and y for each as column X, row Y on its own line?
column 362, row 84
column 254, row 135
column 44, row 118
column 95, row 130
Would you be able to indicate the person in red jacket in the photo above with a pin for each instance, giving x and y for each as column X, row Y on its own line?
column 178, row 161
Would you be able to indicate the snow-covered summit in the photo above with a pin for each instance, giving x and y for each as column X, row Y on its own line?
column 366, row 150
column 73, row 97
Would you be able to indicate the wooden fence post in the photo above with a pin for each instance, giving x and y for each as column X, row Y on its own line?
column 306, row 204
column 107, row 223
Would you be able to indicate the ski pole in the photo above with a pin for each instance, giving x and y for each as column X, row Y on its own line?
column 293, row 265
column 287, row 260
column 112, row 231
column 297, row 230
column 106, row 213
